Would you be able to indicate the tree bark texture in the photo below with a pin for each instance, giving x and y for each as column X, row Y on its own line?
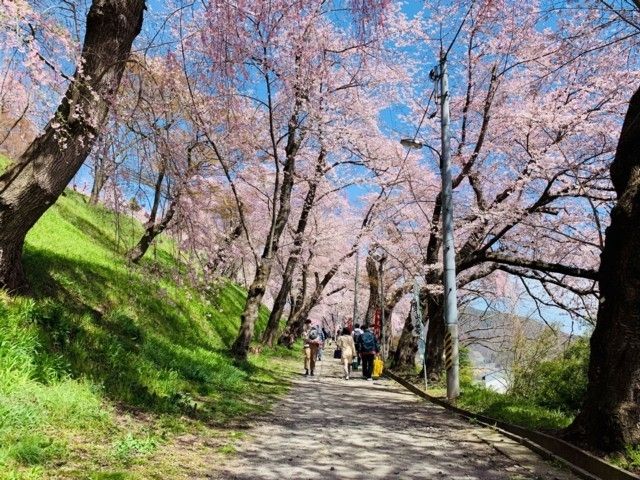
column 33, row 183
column 251, row 309
column 374, row 290
column 436, row 331
column 610, row 416
column 271, row 332
column 405, row 355
column 390, row 304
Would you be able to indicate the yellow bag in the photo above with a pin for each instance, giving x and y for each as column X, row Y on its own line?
column 378, row 366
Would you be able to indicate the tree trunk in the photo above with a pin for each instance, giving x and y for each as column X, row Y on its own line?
column 152, row 230
column 404, row 357
column 288, row 335
column 436, row 332
column 295, row 326
column 270, row 333
column 251, row 308
column 32, row 184
column 258, row 287
column 374, row 290
column 387, row 332
column 610, row 417
column 100, row 178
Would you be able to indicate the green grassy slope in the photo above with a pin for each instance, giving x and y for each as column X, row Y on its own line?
column 100, row 339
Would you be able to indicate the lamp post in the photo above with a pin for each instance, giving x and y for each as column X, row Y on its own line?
column 452, row 361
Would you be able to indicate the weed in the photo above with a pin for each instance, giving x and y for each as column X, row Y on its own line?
column 35, row 450
column 128, row 448
column 227, row 450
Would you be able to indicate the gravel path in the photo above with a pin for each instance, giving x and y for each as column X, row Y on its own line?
column 330, row 428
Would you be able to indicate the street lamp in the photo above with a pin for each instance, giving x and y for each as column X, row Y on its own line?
column 449, row 278
column 411, row 143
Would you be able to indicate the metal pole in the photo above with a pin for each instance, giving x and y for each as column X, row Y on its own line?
column 355, row 293
column 450, row 292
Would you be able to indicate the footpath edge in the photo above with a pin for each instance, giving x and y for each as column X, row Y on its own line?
column 580, row 462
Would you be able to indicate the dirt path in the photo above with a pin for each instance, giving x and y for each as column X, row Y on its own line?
column 329, row 428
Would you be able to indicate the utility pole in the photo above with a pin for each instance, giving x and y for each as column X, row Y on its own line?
column 452, row 361
column 355, row 292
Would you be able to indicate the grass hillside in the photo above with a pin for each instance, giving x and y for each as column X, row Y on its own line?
column 108, row 365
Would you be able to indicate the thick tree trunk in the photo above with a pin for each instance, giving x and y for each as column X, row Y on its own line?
column 32, row 184
column 387, row 332
column 271, row 332
column 374, row 290
column 436, row 332
column 251, row 308
column 610, row 416
column 294, row 328
column 294, row 321
column 404, row 357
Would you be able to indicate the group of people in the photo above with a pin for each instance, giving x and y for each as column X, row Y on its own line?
column 360, row 345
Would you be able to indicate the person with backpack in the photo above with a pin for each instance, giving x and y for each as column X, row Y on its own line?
column 357, row 331
column 348, row 350
column 368, row 348
column 311, row 338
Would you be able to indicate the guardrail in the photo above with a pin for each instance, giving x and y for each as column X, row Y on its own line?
column 580, row 462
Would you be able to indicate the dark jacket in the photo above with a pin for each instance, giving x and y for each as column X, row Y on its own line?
column 366, row 341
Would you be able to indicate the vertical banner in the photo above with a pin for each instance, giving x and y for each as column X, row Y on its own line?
column 377, row 322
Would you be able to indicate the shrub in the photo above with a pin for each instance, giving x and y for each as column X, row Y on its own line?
column 560, row 383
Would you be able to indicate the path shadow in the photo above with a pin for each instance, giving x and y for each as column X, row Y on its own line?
column 329, row 428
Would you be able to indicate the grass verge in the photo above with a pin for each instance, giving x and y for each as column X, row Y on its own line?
column 111, row 370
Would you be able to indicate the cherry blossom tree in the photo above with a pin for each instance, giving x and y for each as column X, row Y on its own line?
column 530, row 181
column 33, row 183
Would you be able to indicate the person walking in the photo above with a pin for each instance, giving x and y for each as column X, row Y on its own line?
column 357, row 331
column 311, row 338
column 327, row 337
column 348, row 347
column 368, row 348
column 323, row 338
